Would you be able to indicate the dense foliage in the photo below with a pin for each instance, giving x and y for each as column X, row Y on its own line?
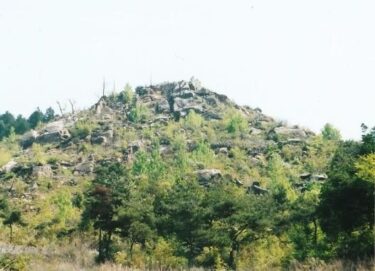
column 214, row 227
column 19, row 125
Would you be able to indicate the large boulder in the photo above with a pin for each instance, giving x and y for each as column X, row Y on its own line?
column 101, row 107
column 9, row 166
column 208, row 176
column 86, row 167
column 162, row 106
column 42, row 171
column 102, row 137
column 53, row 132
column 29, row 138
column 285, row 133
column 257, row 189
column 195, row 84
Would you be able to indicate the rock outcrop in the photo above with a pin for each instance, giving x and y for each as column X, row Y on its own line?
column 207, row 177
column 9, row 166
column 180, row 98
column 53, row 132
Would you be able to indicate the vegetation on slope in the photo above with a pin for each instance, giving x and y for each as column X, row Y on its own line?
column 175, row 176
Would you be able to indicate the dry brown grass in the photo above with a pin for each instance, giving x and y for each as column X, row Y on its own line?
column 334, row 266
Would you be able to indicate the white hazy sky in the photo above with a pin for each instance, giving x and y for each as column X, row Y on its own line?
column 307, row 62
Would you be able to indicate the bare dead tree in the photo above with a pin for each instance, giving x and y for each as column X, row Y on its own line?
column 61, row 108
column 72, row 106
column 103, row 87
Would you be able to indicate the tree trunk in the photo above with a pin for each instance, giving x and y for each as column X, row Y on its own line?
column 131, row 250
column 232, row 256
column 315, row 233
column 11, row 233
column 100, row 256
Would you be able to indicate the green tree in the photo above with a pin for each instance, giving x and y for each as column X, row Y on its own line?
column 138, row 113
column 106, row 194
column 235, row 123
column 7, row 121
column 35, row 118
column 180, row 213
column 330, row 133
column 127, row 95
column 49, row 115
column 305, row 232
column 11, row 217
column 21, row 125
column 346, row 209
column 136, row 219
column 237, row 219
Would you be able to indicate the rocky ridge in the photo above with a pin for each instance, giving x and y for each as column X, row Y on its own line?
column 165, row 104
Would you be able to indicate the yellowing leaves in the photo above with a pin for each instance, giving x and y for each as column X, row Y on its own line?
column 5, row 157
column 366, row 167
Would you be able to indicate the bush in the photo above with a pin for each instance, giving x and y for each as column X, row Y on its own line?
column 5, row 157
column 164, row 257
column 14, row 263
column 38, row 154
column 138, row 113
column 193, row 120
column 235, row 123
column 211, row 258
column 82, row 129
column 127, row 95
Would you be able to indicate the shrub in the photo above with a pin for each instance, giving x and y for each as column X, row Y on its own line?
column 82, row 129
column 210, row 257
column 164, row 256
column 14, row 263
column 5, row 157
column 38, row 154
column 127, row 95
column 193, row 120
column 235, row 123
column 138, row 113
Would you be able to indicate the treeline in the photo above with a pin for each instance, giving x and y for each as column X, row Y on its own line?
column 138, row 218
column 19, row 125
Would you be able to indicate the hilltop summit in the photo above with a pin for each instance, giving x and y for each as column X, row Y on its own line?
column 124, row 123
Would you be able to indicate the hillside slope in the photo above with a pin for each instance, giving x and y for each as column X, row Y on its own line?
column 163, row 138
column 118, row 126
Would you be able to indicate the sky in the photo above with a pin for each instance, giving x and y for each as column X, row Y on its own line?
column 304, row 62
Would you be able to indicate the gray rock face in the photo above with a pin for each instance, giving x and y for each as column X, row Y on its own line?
column 101, row 107
column 183, row 106
column 9, row 166
column 320, row 177
column 305, row 175
column 179, row 98
column 224, row 144
column 29, row 138
column 162, row 106
column 86, row 167
column 135, row 146
column 224, row 151
column 99, row 140
column 309, row 177
column 287, row 133
column 53, row 132
column 208, row 176
column 101, row 137
column 257, row 189
column 42, row 171
column 195, row 84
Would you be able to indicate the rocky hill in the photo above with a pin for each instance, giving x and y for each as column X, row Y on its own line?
column 120, row 126
column 161, row 138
